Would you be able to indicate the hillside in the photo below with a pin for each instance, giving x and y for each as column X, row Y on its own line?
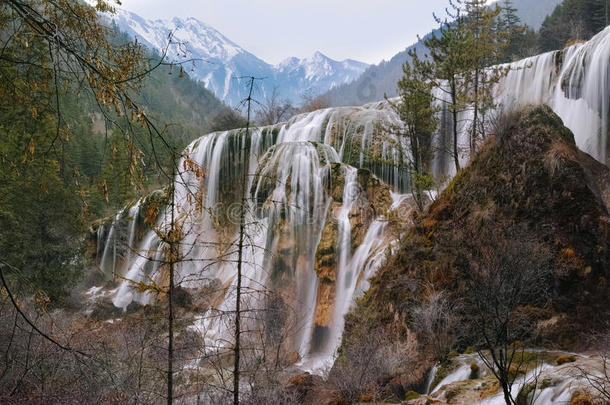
column 381, row 79
column 535, row 201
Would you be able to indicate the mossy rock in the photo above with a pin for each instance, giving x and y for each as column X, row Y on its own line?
column 133, row 307
column 452, row 393
column 524, row 397
column 565, row 359
column 411, row 395
column 546, row 383
column 104, row 310
column 470, row 350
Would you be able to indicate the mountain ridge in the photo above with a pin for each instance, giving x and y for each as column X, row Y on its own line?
column 380, row 79
column 212, row 58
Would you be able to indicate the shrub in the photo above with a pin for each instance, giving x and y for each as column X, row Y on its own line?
column 515, row 372
column 579, row 398
column 104, row 310
column 474, row 371
column 182, row 298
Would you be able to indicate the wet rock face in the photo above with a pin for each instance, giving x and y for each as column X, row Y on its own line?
column 326, row 259
column 372, row 199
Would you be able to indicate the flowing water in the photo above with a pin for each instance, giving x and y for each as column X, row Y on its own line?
column 290, row 174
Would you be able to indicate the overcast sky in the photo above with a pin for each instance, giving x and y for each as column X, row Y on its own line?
column 365, row 30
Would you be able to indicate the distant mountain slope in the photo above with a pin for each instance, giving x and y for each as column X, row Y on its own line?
column 381, row 79
column 220, row 62
column 533, row 12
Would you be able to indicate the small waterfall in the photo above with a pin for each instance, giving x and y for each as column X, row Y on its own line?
column 131, row 230
column 575, row 83
column 109, row 252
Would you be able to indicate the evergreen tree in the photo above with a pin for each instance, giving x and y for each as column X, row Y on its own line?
column 488, row 41
column 509, row 25
column 449, row 49
column 419, row 120
column 573, row 20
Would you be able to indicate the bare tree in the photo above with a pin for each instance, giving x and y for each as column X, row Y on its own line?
column 313, row 102
column 599, row 380
column 510, row 271
column 362, row 368
column 274, row 110
column 436, row 319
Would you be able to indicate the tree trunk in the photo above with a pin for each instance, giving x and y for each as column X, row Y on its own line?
column 242, row 219
column 475, row 118
column 454, row 113
column 170, row 300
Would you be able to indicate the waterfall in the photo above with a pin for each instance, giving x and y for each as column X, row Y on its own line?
column 574, row 82
column 291, row 170
column 303, row 187
column 110, row 247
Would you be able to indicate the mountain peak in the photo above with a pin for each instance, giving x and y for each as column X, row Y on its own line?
column 319, row 55
column 220, row 61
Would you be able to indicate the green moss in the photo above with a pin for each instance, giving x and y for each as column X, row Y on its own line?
column 445, row 368
column 546, row 383
column 411, row 395
column 469, row 350
column 524, row 396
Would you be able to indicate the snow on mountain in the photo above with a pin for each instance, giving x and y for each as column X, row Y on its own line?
column 219, row 63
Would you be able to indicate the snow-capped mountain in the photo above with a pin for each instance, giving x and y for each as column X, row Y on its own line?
column 219, row 63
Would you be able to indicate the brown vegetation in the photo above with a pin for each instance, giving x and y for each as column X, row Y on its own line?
column 529, row 200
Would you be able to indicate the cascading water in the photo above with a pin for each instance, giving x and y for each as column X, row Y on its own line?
column 304, row 186
column 291, row 171
column 574, row 82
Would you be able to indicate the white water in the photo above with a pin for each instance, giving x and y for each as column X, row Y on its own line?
column 578, row 89
column 574, row 82
column 559, row 392
column 109, row 251
column 288, row 168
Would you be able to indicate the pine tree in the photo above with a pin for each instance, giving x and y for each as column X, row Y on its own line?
column 486, row 48
column 419, row 120
column 509, row 25
column 448, row 51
